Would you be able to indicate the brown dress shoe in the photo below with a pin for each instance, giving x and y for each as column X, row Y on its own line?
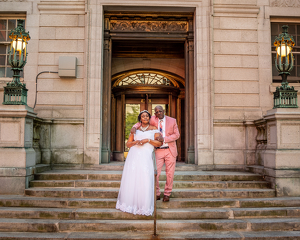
column 157, row 197
column 166, row 198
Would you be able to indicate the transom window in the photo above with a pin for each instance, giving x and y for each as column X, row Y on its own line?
column 6, row 25
column 145, row 79
column 294, row 30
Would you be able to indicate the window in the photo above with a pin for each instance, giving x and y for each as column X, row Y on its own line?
column 145, row 78
column 294, row 30
column 6, row 25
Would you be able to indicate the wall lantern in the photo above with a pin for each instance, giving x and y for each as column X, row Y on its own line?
column 15, row 92
column 285, row 96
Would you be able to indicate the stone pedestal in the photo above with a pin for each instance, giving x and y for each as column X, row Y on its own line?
column 282, row 155
column 17, row 156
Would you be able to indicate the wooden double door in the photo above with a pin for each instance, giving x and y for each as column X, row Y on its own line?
column 126, row 110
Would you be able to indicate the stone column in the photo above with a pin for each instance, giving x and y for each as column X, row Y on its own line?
column 282, row 156
column 189, row 97
column 106, row 96
column 186, row 103
column 17, row 156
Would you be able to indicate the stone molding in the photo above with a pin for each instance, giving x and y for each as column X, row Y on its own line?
column 285, row 3
column 284, row 113
column 9, row 112
column 61, row 7
column 68, row 121
column 228, row 123
column 235, row 10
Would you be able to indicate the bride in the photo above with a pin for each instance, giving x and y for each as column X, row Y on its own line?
column 136, row 194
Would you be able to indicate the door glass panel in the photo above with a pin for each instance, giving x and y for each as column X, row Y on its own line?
column 132, row 111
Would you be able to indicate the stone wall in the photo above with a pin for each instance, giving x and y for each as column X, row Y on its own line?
column 242, row 76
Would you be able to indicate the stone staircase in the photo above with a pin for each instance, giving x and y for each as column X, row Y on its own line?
column 80, row 204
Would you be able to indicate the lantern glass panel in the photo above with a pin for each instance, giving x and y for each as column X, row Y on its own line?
column 283, row 50
column 19, row 44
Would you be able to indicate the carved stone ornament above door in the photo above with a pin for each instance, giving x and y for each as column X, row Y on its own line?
column 148, row 26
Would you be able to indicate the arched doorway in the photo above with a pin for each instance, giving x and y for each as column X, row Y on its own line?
column 134, row 91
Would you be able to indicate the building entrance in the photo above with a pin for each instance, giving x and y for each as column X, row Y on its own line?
column 147, row 61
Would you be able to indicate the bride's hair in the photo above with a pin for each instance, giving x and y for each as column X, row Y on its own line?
column 144, row 111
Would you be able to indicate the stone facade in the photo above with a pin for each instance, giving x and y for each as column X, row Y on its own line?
column 232, row 77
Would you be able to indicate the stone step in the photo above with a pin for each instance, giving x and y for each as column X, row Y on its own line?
column 213, row 235
column 42, row 168
column 176, row 184
column 49, row 225
column 256, row 169
column 113, row 214
column 117, row 166
column 109, row 214
column 51, row 202
column 176, row 193
column 179, row 176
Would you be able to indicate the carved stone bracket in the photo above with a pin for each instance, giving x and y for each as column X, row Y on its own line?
column 261, row 137
column 148, row 26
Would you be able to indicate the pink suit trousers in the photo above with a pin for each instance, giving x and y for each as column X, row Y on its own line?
column 165, row 156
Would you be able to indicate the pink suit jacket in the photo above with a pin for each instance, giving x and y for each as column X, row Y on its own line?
column 171, row 129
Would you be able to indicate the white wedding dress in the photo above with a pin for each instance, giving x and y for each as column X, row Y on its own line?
column 136, row 194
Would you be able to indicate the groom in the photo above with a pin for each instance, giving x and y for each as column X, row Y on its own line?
column 167, row 153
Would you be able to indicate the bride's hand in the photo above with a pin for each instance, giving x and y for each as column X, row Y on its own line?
column 142, row 142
